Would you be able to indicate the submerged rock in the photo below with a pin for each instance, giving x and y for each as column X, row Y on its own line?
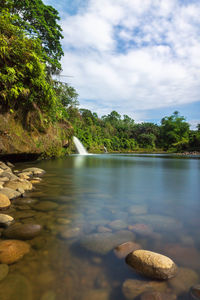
column 45, row 206
column 6, row 220
column 157, row 296
column 70, row 233
column 12, row 251
column 15, row 287
column 102, row 243
column 141, row 229
column 138, row 209
column 124, row 249
column 195, row 292
column 49, row 295
column 4, row 201
column 184, row 279
column 132, row 288
column 22, row 231
column 3, row 271
column 117, row 225
column 151, row 264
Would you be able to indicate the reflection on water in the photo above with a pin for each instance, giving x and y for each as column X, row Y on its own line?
column 103, row 201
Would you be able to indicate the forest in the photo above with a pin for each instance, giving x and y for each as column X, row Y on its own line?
column 30, row 55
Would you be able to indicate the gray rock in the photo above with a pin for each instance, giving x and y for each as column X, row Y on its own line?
column 10, row 193
column 151, row 264
column 117, row 225
column 21, row 288
column 4, row 269
column 22, row 231
column 6, row 220
column 138, row 209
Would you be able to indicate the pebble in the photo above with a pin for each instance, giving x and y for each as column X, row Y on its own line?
column 4, row 201
column 22, row 231
column 152, row 264
column 12, row 251
column 124, row 249
column 6, row 220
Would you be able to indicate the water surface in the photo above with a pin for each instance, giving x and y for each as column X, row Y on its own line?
column 92, row 191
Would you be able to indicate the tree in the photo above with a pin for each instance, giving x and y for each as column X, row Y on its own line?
column 174, row 131
column 40, row 21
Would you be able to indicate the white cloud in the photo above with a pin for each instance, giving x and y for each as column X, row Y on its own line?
column 133, row 55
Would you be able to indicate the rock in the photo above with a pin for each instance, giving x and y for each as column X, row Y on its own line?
column 159, row 222
column 49, row 295
column 24, row 201
column 184, row 279
column 4, row 201
column 69, row 233
column 23, row 184
column 6, row 220
column 195, row 292
column 12, row 251
column 103, row 229
column 132, row 288
column 124, row 249
column 3, row 271
column 3, row 166
column 4, row 179
column 157, row 296
column 141, row 229
column 25, row 175
column 97, row 294
column 151, row 264
column 35, row 171
column 10, row 193
column 45, row 206
column 102, row 243
column 21, row 288
column 22, row 231
column 138, row 209
column 63, row 221
column 9, row 164
column 9, row 175
column 117, row 225
column 184, row 255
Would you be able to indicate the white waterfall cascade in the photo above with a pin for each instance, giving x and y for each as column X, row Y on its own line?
column 79, row 146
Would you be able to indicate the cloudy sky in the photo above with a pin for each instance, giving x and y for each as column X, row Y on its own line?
column 138, row 57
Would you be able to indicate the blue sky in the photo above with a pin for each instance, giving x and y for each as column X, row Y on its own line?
column 138, row 57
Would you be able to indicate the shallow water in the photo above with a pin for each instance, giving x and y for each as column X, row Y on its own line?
column 69, row 262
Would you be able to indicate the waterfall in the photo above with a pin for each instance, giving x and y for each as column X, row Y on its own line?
column 79, row 146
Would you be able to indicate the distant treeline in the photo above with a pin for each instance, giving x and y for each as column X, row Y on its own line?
column 118, row 133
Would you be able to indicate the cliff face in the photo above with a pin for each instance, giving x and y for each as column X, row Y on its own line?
column 15, row 140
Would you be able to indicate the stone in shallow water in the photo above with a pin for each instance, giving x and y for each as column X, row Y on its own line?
column 15, row 287
column 97, row 294
column 102, row 243
column 183, row 280
column 45, row 206
column 70, row 233
column 141, row 229
column 132, row 288
column 49, row 295
column 3, row 271
column 6, row 220
column 22, row 231
column 157, row 296
column 19, row 184
column 159, row 222
column 195, row 292
column 35, row 171
column 12, row 251
column 124, row 249
column 4, row 201
column 10, row 193
column 138, row 209
column 103, row 229
column 151, row 264
column 117, row 225
column 63, row 221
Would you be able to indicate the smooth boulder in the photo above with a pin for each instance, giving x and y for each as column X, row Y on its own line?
column 6, row 220
column 152, row 264
column 12, row 251
column 35, row 171
column 22, row 231
column 10, row 193
column 4, row 201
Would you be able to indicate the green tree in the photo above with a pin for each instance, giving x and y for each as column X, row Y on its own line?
column 40, row 21
column 174, row 132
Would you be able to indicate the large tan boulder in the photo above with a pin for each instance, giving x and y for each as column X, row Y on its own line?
column 12, row 251
column 35, row 171
column 152, row 264
column 4, row 201
column 19, row 184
